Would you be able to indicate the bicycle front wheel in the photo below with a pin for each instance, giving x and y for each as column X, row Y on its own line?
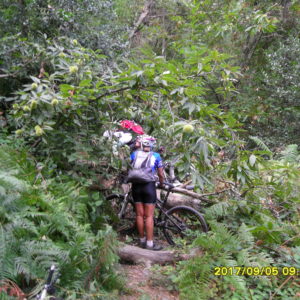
column 181, row 225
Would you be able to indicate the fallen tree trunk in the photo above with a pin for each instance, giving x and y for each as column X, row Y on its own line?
column 179, row 199
column 190, row 193
column 178, row 196
column 201, row 197
column 136, row 255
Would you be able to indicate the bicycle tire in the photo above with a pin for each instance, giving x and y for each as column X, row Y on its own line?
column 183, row 222
column 127, row 220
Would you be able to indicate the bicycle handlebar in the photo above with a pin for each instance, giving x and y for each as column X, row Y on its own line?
column 171, row 186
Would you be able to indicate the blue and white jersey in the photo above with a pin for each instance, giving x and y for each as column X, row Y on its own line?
column 155, row 160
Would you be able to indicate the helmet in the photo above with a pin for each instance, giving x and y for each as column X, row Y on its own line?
column 147, row 141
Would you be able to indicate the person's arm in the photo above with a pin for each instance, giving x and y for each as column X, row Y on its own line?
column 160, row 174
column 158, row 165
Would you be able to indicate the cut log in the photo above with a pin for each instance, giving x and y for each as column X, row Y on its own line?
column 179, row 199
column 135, row 255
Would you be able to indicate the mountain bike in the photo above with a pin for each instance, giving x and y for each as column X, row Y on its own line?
column 10, row 290
column 177, row 223
column 49, row 288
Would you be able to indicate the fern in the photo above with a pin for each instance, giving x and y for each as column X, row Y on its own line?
column 245, row 236
column 217, row 210
column 11, row 182
column 7, row 254
column 261, row 144
column 222, row 248
column 290, row 154
column 46, row 224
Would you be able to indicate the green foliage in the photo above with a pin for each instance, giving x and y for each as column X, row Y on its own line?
column 257, row 228
column 261, row 145
column 88, row 21
column 26, row 25
column 270, row 99
column 199, row 74
column 197, row 279
column 45, row 222
column 290, row 154
column 78, row 99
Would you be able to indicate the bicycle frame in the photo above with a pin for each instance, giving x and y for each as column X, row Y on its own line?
column 162, row 211
column 124, row 204
column 49, row 283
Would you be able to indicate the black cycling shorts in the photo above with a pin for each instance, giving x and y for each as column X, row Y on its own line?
column 144, row 192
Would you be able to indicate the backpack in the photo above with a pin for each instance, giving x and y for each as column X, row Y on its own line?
column 141, row 171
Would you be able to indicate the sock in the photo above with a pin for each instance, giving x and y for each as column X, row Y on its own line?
column 149, row 243
column 143, row 239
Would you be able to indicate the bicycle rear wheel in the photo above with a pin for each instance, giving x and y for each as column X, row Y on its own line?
column 123, row 213
column 183, row 223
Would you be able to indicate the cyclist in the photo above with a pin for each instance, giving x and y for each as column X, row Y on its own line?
column 145, row 164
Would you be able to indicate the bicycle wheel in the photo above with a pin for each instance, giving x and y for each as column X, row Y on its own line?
column 123, row 213
column 183, row 223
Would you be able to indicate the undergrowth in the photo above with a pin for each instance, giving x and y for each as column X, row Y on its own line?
column 257, row 226
column 45, row 221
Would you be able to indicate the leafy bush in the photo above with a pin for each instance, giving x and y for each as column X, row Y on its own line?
column 270, row 97
column 258, row 227
column 59, row 98
column 45, row 222
column 64, row 113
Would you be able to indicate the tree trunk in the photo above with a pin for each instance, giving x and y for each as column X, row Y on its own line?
column 285, row 10
column 142, row 17
column 250, row 48
column 136, row 255
column 22, row 21
column 179, row 199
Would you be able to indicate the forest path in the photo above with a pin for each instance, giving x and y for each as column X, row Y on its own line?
column 145, row 284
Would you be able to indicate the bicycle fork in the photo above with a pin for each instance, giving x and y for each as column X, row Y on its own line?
column 124, row 205
column 45, row 290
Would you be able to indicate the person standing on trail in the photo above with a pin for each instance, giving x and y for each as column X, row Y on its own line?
column 145, row 164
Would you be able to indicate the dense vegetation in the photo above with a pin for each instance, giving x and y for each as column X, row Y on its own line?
column 69, row 70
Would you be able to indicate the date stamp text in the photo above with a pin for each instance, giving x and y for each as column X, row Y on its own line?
column 256, row 271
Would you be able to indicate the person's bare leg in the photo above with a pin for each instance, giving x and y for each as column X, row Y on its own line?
column 139, row 208
column 149, row 223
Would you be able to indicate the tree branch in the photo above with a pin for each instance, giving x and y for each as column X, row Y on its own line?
column 143, row 15
column 250, row 49
column 168, row 15
column 113, row 92
column 279, row 288
column 6, row 75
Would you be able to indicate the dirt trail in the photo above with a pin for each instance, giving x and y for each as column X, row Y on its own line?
column 142, row 285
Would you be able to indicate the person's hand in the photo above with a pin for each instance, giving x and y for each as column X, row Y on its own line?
column 160, row 185
column 167, row 185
